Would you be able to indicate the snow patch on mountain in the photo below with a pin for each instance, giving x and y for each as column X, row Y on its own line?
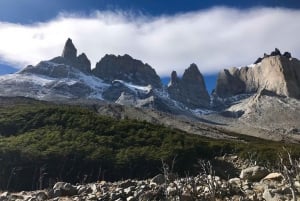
column 135, row 88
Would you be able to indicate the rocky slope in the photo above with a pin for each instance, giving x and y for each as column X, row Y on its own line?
column 254, row 183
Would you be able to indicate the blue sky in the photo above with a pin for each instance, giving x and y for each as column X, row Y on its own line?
column 31, row 11
column 167, row 34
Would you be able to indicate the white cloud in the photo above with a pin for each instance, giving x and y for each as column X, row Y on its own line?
column 213, row 39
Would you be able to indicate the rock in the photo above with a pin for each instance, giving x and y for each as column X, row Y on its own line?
column 40, row 196
column 273, row 176
column 190, row 89
column 4, row 196
column 269, row 196
column 276, row 52
column 287, row 55
column 186, row 197
column 64, row 189
column 229, row 83
column 125, row 68
column 235, row 182
column 83, row 63
column 131, row 198
column 172, row 190
column 258, row 60
column 255, row 173
column 276, row 74
column 158, row 179
column 69, row 52
column 148, row 195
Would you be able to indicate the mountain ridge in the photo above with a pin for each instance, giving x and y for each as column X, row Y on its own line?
column 123, row 80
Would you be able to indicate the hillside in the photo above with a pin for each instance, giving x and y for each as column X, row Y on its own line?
column 75, row 144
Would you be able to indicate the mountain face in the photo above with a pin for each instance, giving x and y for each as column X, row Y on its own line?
column 125, row 68
column 190, row 90
column 255, row 99
column 115, row 79
column 275, row 73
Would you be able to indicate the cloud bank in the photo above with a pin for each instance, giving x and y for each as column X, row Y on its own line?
column 213, row 39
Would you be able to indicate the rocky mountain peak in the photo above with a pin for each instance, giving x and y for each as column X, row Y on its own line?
column 190, row 89
column 69, row 51
column 276, row 52
column 128, row 69
column 174, row 78
column 276, row 73
column 192, row 73
column 83, row 63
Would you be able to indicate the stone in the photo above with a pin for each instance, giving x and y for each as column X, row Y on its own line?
column 235, row 182
column 255, row 173
column 190, row 90
column 269, row 196
column 158, row 179
column 186, row 197
column 40, row 196
column 171, row 191
column 64, row 189
column 130, row 198
column 69, row 51
column 273, row 176
column 127, row 183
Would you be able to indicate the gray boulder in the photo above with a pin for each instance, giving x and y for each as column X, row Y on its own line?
column 158, row 179
column 255, row 173
column 63, row 189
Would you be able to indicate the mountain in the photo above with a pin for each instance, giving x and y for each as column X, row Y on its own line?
column 190, row 90
column 125, row 68
column 275, row 73
column 117, row 79
column 261, row 100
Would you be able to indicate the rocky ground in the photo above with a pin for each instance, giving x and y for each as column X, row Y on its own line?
column 254, row 183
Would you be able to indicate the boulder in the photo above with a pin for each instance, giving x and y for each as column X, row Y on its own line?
column 40, row 196
column 235, row 182
column 158, row 179
column 255, row 173
column 64, row 189
column 127, row 183
column 275, row 176
column 268, row 195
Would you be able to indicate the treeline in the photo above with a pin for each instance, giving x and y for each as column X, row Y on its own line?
column 41, row 144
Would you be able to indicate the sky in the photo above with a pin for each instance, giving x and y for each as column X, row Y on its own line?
column 168, row 35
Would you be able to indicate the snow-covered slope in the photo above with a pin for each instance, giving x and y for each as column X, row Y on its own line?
column 45, row 86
